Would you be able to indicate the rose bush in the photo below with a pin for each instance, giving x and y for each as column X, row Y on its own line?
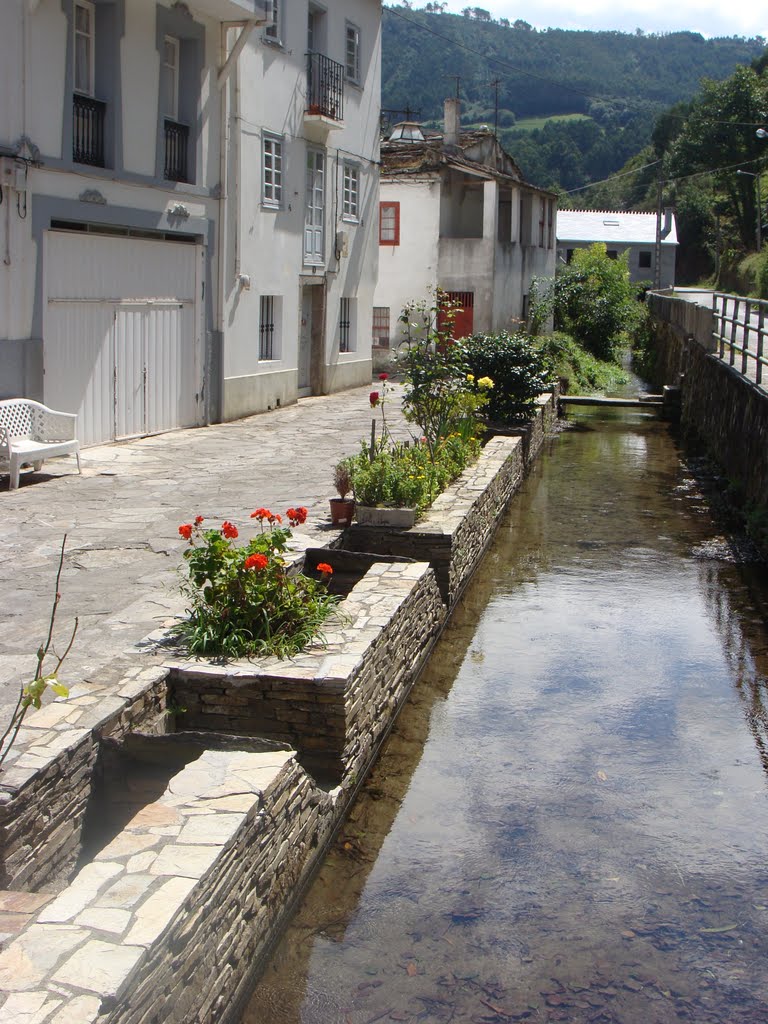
column 244, row 601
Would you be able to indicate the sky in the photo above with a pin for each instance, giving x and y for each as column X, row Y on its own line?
column 709, row 17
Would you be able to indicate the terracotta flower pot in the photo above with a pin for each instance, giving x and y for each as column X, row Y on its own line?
column 342, row 510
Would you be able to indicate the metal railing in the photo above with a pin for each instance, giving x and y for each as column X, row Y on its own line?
column 325, row 86
column 176, row 148
column 88, row 116
column 740, row 331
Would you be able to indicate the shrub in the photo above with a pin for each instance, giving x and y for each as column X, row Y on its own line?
column 593, row 300
column 517, row 369
column 243, row 600
column 435, row 372
column 400, row 475
column 567, row 360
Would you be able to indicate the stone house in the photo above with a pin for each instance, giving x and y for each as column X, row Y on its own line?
column 189, row 195
column 622, row 231
column 455, row 213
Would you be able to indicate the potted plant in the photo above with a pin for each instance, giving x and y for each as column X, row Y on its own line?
column 342, row 508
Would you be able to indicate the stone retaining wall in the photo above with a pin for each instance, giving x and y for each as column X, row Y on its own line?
column 152, row 929
column 331, row 701
column 719, row 406
column 455, row 531
column 47, row 778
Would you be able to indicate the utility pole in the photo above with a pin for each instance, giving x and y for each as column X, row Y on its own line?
column 495, row 86
column 657, row 247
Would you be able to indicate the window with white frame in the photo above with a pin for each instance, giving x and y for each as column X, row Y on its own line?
column 352, row 53
column 350, row 207
column 169, row 79
column 84, row 39
column 269, row 328
column 381, row 326
column 314, row 209
column 272, row 33
column 346, row 326
column 272, row 171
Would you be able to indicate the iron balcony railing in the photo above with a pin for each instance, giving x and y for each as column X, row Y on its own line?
column 88, row 117
column 740, row 331
column 325, row 86
column 176, row 148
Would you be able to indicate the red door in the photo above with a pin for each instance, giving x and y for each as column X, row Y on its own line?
column 463, row 324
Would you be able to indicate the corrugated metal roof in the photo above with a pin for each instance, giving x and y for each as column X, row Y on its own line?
column 611, row 226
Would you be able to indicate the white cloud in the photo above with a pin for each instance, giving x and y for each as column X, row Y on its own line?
column 710, row 19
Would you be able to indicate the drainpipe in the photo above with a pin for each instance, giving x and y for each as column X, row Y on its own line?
column 227, row 64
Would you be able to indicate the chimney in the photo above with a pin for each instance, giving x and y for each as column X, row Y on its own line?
column 452, row 122
column 667, row 221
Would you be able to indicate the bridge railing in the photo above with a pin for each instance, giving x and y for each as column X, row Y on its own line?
column 740, row 331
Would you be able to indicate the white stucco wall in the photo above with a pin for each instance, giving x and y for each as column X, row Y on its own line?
column 266, row 245
column 408, row 271
column 36, row 103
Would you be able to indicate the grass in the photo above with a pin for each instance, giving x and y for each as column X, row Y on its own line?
column 530, row 124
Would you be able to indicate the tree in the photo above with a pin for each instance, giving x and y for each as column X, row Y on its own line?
column 593, row 300
column 719, row 136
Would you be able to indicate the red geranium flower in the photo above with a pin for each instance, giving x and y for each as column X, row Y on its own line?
column 325, row 568
column 257, row 561
column 297, row 516
column 383, row 376
column 199, row 519
column 229, row 530
column 186, row 530
column 373, row 398
column 275, row 519
column 261, row 513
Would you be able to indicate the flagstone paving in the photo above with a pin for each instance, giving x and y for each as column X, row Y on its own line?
column 121, row 518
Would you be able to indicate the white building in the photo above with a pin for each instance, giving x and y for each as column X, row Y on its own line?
column 173, row 213
column 622, row 231
column 456, row 214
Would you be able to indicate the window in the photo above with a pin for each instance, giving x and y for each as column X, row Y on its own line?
column 569, row 255
column 389, row 223
column 84, row 47
column 272, row 32
column 351, row 201
column 268, row 336
column 612, row 254
column 345, row 325
column 542, row 221
column 272, row 171
column 644, row 260
column 352, row 53
column 169, row 79
column 381, row 326
column 314, row 213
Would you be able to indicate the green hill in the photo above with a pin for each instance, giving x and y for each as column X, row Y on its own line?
column 617, row 82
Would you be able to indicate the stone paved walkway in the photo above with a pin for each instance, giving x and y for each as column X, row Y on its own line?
column 122, row 516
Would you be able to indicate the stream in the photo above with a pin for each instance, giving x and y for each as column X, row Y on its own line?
column 569, row 820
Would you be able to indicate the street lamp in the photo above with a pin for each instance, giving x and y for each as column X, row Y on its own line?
column 761, row 133
column 749, row 174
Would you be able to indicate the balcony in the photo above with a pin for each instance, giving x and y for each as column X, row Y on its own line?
column 176, row 149
column 88, row 116
column 325, row 93
column 234, row 10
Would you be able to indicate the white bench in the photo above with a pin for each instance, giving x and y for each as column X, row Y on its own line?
column 31, row 432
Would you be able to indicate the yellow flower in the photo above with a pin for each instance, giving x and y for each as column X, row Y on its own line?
column 485, row 382
column 471, row 378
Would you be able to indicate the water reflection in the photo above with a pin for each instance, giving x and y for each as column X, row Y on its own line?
column 569, row 821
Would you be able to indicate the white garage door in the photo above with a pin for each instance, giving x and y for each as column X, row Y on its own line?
column 122, row 333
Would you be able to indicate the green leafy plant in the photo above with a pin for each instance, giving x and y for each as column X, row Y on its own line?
column 31, row 694
column 518, row 371
column 580, row 371
column 401, row 475
column 593, row 300
column 244, row 601
column 436, row 374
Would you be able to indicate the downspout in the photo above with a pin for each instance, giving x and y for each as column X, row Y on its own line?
column 227, row 63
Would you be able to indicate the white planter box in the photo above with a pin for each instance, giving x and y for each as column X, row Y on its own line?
column 395, row 518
